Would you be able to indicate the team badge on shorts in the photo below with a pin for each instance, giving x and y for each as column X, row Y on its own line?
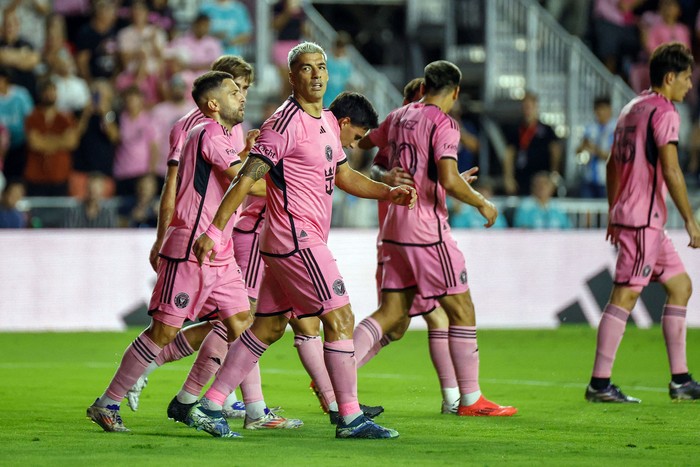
column 339, row 287
column 646, row 271
column 329, row 153
column 181, row 300
column 463, row 276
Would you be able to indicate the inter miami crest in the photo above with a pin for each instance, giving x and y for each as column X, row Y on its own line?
column 329, row 153
column 181, row 300
column 339, row 287
column 463, row 276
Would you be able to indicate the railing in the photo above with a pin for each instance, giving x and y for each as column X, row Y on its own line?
column 527, row 49
column 377, row 87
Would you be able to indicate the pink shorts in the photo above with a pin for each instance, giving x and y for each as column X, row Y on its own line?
column 246, row 249
column 304, row 284
column 436, row 270
column 185, row 291
column 420, row 306
column 645, row 255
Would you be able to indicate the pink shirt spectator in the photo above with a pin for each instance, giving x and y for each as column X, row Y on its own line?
column 304, row 153
column 648, row 122
column 422, row 135
column 151, row 41
column 164, row 116
column 610, row 11
column 207, row 154
column 71, row 7
column 133, row 156
column 195, row 53
column 148, row 86
column 660, row 33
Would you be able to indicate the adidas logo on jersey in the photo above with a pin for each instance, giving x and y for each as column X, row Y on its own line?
column 323, row 130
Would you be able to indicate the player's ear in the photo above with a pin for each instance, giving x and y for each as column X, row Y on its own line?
column 213, row 105
column 343, row 121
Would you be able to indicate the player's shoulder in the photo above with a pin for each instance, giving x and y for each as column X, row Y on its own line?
column 285, row 118
column 438, row 117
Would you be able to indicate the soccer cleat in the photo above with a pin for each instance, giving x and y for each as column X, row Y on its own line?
column 107, row 417
column 213, row 422
column 315, row 390
column 133, row 394
column 448, row 408
column 178, row 411
column 364, row 428
column 369, row 411
column 610, row 394
column 270, row 421
column 485, row 408
column 235, row 410
column 684, row 392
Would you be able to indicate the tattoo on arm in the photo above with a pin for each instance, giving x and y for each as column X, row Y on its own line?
column 255, row 168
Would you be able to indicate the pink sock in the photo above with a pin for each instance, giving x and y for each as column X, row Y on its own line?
column 610, row 332
column 340, row 361
column 136, row 358
column 243, row 354
column 251, row 386
column 465, row 355
column 673, row 325
column 209, row 358
column 310, row 350
column 383, row 342
column 177, row 349
column 366, row 334
column 439, row 345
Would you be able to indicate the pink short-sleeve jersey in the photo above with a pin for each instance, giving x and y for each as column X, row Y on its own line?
column 202, row 182
column 304, row 153
column 646, row 123
column 419, row 136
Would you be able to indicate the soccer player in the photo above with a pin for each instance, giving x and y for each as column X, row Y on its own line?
column 185, row 288
column 420, row 255
column 300, row 155
column 642, row 168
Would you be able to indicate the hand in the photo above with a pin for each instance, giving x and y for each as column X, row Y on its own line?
column 510, row 185
column 153, row 257
column 694, row 232
column 250, row 138
column 469, row 175
column 403, row 195
column 490, row 213
column 201, row 247
column 612, row 235
column 398, row 176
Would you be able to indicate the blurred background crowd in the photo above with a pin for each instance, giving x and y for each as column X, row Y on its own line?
column 90, row 88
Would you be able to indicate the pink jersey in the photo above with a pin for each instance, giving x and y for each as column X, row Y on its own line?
column 252, row 215
column 419, row 136
column 304, row 153
column 202, row 182
column 648, row 122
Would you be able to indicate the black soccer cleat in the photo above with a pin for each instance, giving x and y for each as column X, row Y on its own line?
column 368, row 411
column 610, row 394
column 178, row 411
column 689, row 391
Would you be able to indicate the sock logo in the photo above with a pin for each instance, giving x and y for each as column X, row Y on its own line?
column 181, row 300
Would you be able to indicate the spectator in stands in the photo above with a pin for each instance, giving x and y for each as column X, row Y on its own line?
column 339, row 68
column 138, row 76
column 540, row 211
column 92, row 213
column 668, row 29
column 51, row 136
column 143, row 212
column 10, row 216
column 140, row 43
column 616, row 37
column 136, row 154
column 231, row 24
column 15, row 105
column 595, row 148
column 468, row 150
column 161, row 15
column 56, row 46
column 96, row 43
column 463, row 217
column 289, row 24
column 196, row 49
column 17, row 53
column 76, row 14
column 164, row 115
column 31, row 15
column 532, row 147
column 99, row 131
column 73, row 92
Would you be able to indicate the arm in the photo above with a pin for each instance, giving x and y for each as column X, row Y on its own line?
column 456, row 186
column 555, row 156
column 673, row 175
column 165, row 213
column 394, row 177
column 353, row 182
column 253, row 170
column 82, row 60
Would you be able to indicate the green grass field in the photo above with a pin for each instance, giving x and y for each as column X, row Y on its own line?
column 48, row 380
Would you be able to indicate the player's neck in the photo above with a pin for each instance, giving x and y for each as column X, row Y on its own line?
column 217, row 118
column 438, row 101
column 662, row 91
column 313, row 108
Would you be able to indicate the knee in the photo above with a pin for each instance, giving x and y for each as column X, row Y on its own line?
column 161, row 334
column 338, row 324
column 680, row 290
column 398, row 331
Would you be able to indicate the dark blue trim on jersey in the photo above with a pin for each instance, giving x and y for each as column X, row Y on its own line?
column 344, row 161
column 261, row 216
column 311, row 315
column 275, row 313
column 421, row 245
column 386, row 289
column 173, row 163
column 265, row 159
column 235, row 163
column 276, row 175
column 652, row 155
column 433, row 177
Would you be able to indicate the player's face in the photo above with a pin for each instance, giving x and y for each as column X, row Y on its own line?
column 309, row 77
column 243, row 85
column 231, row 103
column 351, row 134
column 681, row 84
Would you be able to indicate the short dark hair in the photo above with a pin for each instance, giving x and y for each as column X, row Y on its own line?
column 412, row 88
column 357, row 107
column 672, row 57
column 601, row 100
column 441, row 75
column 235, row 65
column 206, row 83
